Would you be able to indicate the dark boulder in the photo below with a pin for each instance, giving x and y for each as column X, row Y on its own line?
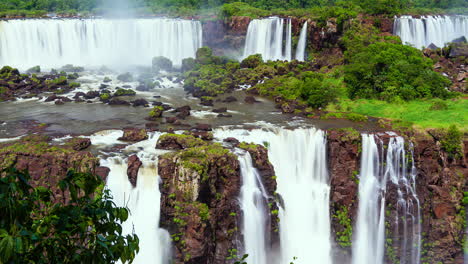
column 134, row 165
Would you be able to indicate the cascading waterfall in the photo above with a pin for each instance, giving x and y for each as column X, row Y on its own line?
column 255, row 213
column 143, row 202
column 377, row 178
column 301, row 45
column 94, row 42
column 368, row 246
column 427, row 30
column 407, row 216
column 299, row 159
column 267, row 37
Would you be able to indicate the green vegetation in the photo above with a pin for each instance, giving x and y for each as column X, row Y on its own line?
column 416, row 112
column 451, row 142
column 344, row 237
column 251, row 8
column 124, row 92
column 86, row 227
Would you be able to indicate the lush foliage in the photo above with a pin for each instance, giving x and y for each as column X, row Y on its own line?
column 382, row 68
column 253, row 8
column 75, row 223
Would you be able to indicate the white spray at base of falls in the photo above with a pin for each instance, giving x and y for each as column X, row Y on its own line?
column 299, row 159
column 267, row 37
column 53, row 43
column 378, row 178
column 254, row 212
column 143, row 203
column 427, row 30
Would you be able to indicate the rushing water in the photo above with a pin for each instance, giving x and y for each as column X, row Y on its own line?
column 376, row 176
column 254, row 212
column 272, row 38
column 299, row 159
column 427, row 30
column 94, row 42
column 143, row 201
column 301, row 45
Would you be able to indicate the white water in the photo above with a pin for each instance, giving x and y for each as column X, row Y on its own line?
column 52, row 43
column 407, row 218
column 301, row 45
column 437, row 30
column 299, row 159
column 254, row 212
column 375, row 175
column 143, row 202
column 368, row 246
column 272, row 38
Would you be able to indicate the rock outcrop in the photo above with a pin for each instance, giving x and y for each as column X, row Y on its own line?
column 199, row 201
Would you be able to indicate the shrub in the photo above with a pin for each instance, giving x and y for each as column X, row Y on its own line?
column 451, row 142
column 384, row 70
column 252, row 61
column 86, row 227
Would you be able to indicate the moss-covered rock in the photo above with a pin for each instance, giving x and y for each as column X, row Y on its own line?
column 252, row 61
column 161, row 63
column 124, row 92
column 175, row 141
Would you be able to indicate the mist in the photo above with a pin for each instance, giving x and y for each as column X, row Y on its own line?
column 119, row 8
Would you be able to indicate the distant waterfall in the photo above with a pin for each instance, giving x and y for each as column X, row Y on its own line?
column 254, row 212
column 94, row 42
column 378, row 177
column 427, row 30
column 301, row 45
column 272, row 38
column 299, row 159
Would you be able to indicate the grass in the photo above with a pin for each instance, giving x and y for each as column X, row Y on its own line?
column 418, row 112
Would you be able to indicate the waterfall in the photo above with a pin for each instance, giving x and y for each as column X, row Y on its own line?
column 299, row 159
column 301, row 45
column 52, row 43
column 254, row 210
column 379, row 177
column 143, row 203
column 427, row 30
column 269, row 38
column 368, row 246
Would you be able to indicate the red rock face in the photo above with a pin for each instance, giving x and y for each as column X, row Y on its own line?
column 134, row 165
column 200, row 209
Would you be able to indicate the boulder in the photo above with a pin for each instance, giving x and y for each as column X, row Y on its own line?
column 134, row 165
column 134, row 135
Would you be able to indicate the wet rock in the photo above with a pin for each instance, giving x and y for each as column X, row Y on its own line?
column 250, row 100
column 203, row 135
column 206, row 102
column 152, row 126
column 224, row 115
column 230, row 99
column 59, row 102
column 102, row 172
column 203, row 127
column 232, row 140
column 91, row 95
column 103, row 86
column 140, row 102
column 51, row 98
column 79, row 144
column 134, row 135
column 116, row 101
column 171, row 120
column 183, row 111
column 134, row 165
column 220, row 110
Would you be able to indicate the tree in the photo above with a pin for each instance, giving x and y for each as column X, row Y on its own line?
column 77, row 222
